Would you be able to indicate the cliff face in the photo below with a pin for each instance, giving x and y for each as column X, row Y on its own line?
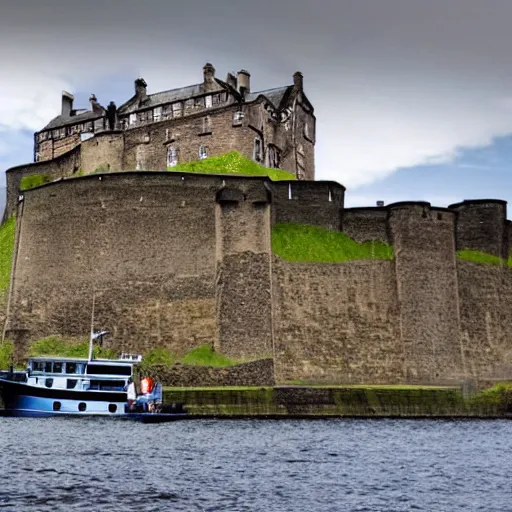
column 178, row 260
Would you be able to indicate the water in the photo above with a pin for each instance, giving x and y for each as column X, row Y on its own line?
column 331, row 465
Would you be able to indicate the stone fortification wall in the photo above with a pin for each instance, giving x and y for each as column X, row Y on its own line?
column 254, row 373
column 144, row 243
column 482, row 226
column 103, row 151
column 57, row 168
column 308, row 202
column 366, row 224
column 337, row 322
column 485, row 312
column 426, row 273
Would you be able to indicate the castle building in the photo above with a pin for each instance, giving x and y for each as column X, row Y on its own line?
column 274, row 127
column 181, row 259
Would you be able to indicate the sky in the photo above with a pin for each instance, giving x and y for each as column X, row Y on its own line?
column 413, row 98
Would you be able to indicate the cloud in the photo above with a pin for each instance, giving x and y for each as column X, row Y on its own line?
column 395, row 84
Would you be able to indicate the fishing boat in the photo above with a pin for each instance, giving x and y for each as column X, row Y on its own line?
column 61, row 386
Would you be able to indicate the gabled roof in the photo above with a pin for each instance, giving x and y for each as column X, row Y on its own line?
column 59, row 121
column 275, row 96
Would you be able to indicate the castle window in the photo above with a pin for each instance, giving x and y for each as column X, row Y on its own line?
column 217, row 99
column 172, row 157
column 199, row 102
column 257, row 153
column 274, row 157
column 203, row 152
column 238, row 117
column 177, row 109
column 206, row 125
column 157, row 114
column 208, row 101
column 133, row 119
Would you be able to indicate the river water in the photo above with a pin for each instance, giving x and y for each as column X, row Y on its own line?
column 256, row 465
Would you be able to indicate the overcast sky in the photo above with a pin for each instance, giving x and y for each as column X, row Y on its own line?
column 413, row 98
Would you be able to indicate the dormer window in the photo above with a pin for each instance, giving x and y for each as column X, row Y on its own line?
column 208, row 101
column 157, row 114
column 203, row 152
column 238, row 117
column 133, row 119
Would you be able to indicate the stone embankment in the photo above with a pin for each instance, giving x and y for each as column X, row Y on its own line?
column 348, row 402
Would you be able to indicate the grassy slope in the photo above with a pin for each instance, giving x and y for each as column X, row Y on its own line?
column 232, row 163
column 34, row 180
column 483, row 257
column 295, row 242
column 6, row 249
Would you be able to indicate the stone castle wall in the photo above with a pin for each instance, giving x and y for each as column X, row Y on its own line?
column 177, row 260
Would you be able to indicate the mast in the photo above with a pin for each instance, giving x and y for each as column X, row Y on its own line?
column 92, row 329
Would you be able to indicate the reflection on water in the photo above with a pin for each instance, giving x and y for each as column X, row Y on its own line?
column 332, row 465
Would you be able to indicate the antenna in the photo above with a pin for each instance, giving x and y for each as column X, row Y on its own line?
column 92, row 329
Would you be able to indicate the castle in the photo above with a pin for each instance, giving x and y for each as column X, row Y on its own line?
column 179, row 259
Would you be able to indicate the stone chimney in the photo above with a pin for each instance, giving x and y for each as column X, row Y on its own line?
column 208, row 76
column 95, row 106
column 298, row 81
column 244, row 82
column 231, row 80
column 141, row 89
column 67, row 104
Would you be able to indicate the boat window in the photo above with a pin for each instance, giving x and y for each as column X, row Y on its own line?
column 82, row 406
column 96, row 369
column 48, row 367
column 71, row 383
column 48, row 383
column 107, row 385
column 56, row 406
column 112, row 408
column 37, row 366
column 71, row 368
column 57, row 367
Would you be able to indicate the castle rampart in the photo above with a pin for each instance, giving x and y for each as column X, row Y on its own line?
column 426, row 273
column 317, row 203
column 366, row 224
column 481, row 226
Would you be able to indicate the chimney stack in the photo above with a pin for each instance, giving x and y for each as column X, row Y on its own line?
column 244, row 82
column 67, row 104
column 380, row 203
column 208, row 76
column 95, row 106
column 298, row 81
column 231, row 80
column 141, row 89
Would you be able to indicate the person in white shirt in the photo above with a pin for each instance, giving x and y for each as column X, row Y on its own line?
column 132, row 393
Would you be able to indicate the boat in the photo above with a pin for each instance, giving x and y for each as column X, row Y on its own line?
column 62, row 386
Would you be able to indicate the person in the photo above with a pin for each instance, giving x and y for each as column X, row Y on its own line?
column 132, row 394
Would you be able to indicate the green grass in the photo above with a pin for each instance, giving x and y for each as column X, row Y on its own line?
column 297, row 242
column 205, row 356
column 6, row 249
column 6, row 354
column 34, row 180
column 66, row 347
column 232, row 163
column 481, row 257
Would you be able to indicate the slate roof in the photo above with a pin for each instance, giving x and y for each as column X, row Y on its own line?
column 275, row 96
column 59, row 121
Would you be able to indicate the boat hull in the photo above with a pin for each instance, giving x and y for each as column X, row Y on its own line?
column 23, row 400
